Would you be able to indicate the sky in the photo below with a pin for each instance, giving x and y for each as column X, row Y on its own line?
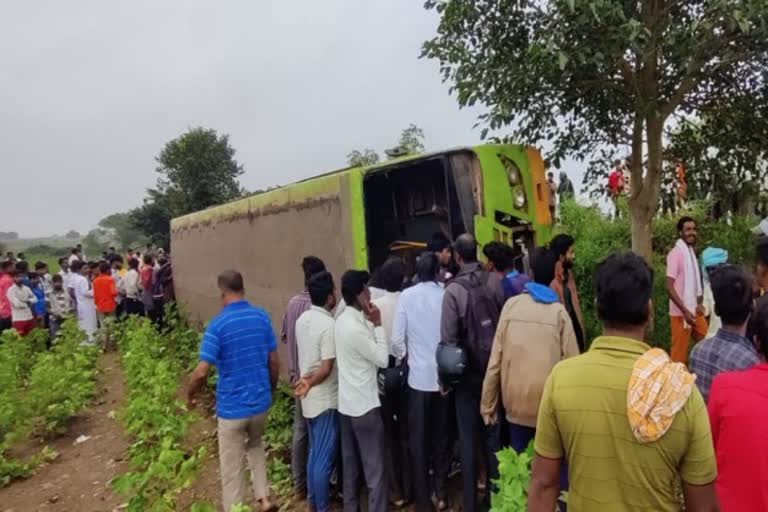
column 92, row 90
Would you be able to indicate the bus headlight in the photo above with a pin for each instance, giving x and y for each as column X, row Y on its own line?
column 513, row 172
column 518, row 198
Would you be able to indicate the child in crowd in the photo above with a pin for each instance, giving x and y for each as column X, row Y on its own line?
column 41, row 269
column 38, row 308
column 22, row 299
column 60, row 304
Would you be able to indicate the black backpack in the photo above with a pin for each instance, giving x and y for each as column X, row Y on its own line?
column 480, row 321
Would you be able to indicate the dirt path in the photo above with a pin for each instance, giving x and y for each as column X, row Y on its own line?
column 78, row 480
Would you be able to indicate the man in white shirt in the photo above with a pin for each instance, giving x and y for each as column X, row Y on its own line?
column 389, row 277
column 417, row 328
column 361, row 349
column 129, row 288
column 86, row 308
column 21, row 299
column 318, row 386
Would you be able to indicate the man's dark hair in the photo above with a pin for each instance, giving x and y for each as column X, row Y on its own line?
column 761, row 250
column 40, row 265
column 111, row 249
column 133, row 263
column 147, row 259
column 501, row 255
column 760, row 324
column 320, row 286
column 63, row 259
column 311, row 265
column 74, row 250
column 560, row 244
column 683, row 221
column 7, row 265
column 231, row 281
column 33, row 275
column 623, row 284
column 116, row 258
column 732, row 291
column 22, row 266
column 20, row 255
column 56, row 278
column 104, row 267
column 438, row 243
column 79, row 246
column 390, row 275
column 427, row 267
column 466, row 247
column 76, row 266
column 352, row 284
column 543, row 265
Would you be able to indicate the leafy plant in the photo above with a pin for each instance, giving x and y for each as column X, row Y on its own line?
column 156, row 419
column 40, row 390
column 514, row 477
column 277, row 441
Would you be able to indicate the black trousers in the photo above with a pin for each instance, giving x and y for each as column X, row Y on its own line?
column 471, row 427
column 428, row 424
column 134, row 307
column 394, row 411
column 362, row 452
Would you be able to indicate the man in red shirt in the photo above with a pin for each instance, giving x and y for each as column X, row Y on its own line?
column 616, row 185
column 738, row 411
column 104, row 292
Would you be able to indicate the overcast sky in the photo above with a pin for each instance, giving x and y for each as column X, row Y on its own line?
column 91, row 90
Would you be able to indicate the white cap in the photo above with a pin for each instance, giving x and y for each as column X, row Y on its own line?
column 762, row 228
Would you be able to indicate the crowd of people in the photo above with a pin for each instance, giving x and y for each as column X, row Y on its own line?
column 411, row 372
column 90, row 290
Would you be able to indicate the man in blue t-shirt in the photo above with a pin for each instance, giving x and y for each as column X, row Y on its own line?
column 241, row 343
column 501, row 260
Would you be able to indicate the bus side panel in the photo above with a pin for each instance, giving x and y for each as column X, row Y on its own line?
column 266, row 243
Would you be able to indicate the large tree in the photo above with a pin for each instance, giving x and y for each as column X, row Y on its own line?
column 197, row 170
column 579, row 76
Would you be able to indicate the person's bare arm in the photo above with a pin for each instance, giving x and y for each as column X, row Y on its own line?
column 196, row 381
column 313, row 378
column 675, row 298
column 700, row 498
column 274, row 368
column 544, row 487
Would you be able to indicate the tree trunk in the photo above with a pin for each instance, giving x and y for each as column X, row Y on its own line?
column 641, row 232
column 645, row 202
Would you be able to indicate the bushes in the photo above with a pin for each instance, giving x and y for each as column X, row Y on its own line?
column 156, row 419
column 597, row 236
column 40, row 390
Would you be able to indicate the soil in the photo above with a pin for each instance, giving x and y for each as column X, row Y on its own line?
column 78, row 480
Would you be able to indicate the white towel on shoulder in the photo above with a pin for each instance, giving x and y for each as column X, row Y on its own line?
column 692, row 277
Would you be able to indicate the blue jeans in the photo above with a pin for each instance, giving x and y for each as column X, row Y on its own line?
column 519, row 438
column 323, row 431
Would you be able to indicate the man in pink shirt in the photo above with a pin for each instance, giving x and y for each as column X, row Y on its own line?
column 738, row 412
column 6, row 281
column 686, row 296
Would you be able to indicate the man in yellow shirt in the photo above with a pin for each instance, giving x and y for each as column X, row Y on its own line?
column 630, row 423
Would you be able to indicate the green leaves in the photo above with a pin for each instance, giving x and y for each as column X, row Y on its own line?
column 153, row 362
column 40, row 390
column 514, row 476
